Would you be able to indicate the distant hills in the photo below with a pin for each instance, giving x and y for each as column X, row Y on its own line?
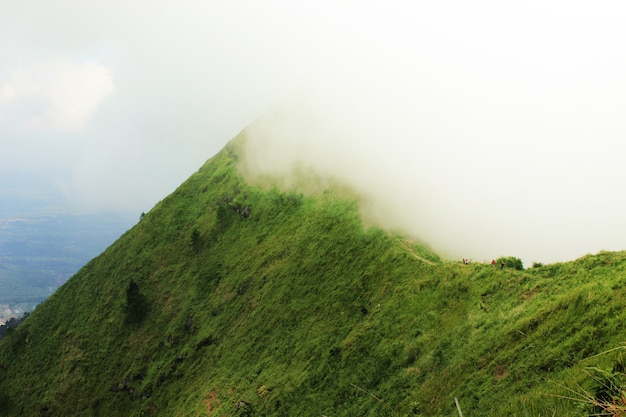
column 233, row 299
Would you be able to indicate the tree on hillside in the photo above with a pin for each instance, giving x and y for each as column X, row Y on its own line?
column 195, row 241
column 136, row 304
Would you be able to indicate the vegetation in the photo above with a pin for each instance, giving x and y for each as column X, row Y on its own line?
column 230, row 299
column 11, row 324
column 511, row 262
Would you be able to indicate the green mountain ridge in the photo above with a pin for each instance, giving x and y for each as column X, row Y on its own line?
column 229, row 298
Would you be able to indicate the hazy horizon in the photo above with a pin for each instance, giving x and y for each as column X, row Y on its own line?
column 486, row 129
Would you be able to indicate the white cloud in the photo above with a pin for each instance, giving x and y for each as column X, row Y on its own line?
column 53, row 95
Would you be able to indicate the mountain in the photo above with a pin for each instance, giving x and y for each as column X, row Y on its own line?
column 229, row 298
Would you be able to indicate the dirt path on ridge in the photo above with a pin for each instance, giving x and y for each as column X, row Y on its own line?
column 415, row 255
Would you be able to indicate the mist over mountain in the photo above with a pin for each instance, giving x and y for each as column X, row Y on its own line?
column 459, row 188
column 311, row 266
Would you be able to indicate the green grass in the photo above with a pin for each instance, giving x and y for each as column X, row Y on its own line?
column 292, row 306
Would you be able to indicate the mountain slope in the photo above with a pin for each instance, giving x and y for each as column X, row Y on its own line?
column 230, row 299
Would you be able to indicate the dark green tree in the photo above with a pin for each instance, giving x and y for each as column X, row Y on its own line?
column 195, row 242
column 136, row 304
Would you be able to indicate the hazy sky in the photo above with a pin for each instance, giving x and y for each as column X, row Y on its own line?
column 487, row 128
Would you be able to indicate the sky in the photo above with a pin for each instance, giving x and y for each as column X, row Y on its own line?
column 484, row 128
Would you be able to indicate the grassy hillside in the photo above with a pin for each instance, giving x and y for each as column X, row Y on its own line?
column 227, row 299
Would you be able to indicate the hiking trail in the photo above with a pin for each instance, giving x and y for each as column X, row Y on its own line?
column 415, row 255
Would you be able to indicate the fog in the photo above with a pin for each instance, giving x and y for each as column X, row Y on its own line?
column 466, row 196
column 482, row 128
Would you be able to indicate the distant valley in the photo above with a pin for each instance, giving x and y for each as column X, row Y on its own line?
column 39, row 252
column 43, row 242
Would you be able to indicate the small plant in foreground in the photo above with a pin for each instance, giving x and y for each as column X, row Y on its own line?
column 414, row 409
column 607, row 394
column 609, row 389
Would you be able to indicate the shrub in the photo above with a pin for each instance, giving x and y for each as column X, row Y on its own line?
column 262, row 391
column 511, row 262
